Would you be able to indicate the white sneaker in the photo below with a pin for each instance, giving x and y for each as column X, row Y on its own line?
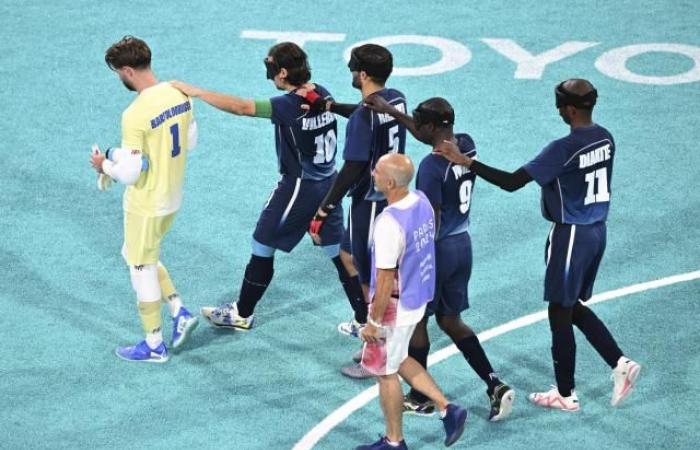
column 351, row 328
column 226, row 316
column 624, row 375
column 553, row 399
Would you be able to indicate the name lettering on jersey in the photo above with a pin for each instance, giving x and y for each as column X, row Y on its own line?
column 170, row 113
column 384, row 118
column 316, row 122
column 594, row 156
column 458, row 171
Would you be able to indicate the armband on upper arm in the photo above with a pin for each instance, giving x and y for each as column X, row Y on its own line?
column 263, row 108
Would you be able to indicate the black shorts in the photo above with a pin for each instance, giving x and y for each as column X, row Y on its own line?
column 287, row 214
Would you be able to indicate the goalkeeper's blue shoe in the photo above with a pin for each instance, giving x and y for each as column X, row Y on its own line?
column 141, row 352
column 183, row 324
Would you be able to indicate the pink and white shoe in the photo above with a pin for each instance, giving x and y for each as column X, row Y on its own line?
column 553, row 399
column 624, row 376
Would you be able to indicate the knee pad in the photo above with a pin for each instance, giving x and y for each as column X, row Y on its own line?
column 262, row 250
column 331, row 250
column 144, row 280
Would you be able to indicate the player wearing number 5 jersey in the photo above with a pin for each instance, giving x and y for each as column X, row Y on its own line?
column 368, row 137
column 574, row 173
column 158, row 130
column 306, row 148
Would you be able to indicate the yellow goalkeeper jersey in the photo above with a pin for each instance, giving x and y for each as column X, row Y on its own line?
column 157, row 123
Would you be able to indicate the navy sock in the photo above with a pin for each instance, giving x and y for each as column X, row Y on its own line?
column 476, row 357
column 597, row 334
column 420, row 354
column 563, row 347
column 353, row 290
column 258, row 274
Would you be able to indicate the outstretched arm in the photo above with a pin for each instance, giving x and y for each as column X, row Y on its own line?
column 229, row 103
column 509, row 181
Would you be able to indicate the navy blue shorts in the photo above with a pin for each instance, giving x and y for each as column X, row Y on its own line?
column 345, row 243
column 287, row 214
column 453, row 268
column 573, row 254
column 362, row 216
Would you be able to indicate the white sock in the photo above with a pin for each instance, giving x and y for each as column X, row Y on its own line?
column 392, row 443
column 174, row 304
column 443, row 413
column 154, row 339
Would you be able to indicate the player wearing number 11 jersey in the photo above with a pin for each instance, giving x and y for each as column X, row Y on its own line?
column 574, row 173
column 306, row 148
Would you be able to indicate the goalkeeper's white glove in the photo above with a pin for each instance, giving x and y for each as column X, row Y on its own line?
column 104, row 182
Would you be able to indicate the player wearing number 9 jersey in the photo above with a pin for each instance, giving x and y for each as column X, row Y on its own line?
column 305, row 143
column 574, row 173
column 449, row 189
column 158, row 130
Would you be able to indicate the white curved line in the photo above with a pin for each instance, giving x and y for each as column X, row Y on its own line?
column 343, row 412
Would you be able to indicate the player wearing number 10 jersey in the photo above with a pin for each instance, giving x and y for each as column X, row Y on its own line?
column 306, row 149
column 574, row 173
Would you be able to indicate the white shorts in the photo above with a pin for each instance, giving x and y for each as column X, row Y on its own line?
column 385, row 357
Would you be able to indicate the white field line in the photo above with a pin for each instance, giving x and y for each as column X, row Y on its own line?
column 343, row 412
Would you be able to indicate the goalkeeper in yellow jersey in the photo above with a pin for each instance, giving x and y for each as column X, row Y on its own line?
column 158, row 130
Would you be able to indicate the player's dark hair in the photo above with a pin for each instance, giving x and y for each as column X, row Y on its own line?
column 435, row 110
column 129, row 51
column 375, row 60
column 290, row 56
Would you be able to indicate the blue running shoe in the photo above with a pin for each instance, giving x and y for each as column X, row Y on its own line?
column 454, row 423
column 141, row 352
column 183, row 324
column 383, row 444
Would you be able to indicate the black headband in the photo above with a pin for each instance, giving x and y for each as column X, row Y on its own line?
column 373, row 69
column 288, row 62
column 565, row 97
column 422, row 116
column 272, row 68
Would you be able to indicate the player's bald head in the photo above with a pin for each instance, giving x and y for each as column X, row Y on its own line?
column 398, row 167
column 578, row 86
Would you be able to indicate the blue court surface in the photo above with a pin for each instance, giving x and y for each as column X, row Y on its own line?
column 65, row 296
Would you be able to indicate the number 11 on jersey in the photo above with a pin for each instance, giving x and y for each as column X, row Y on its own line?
column 597, row 192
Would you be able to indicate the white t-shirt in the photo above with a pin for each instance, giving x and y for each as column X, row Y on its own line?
column 389, row 245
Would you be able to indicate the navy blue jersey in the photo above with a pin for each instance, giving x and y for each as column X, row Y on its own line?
column 449, row 187
column 574, row 173
column 305, row 141
column 369, row 136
